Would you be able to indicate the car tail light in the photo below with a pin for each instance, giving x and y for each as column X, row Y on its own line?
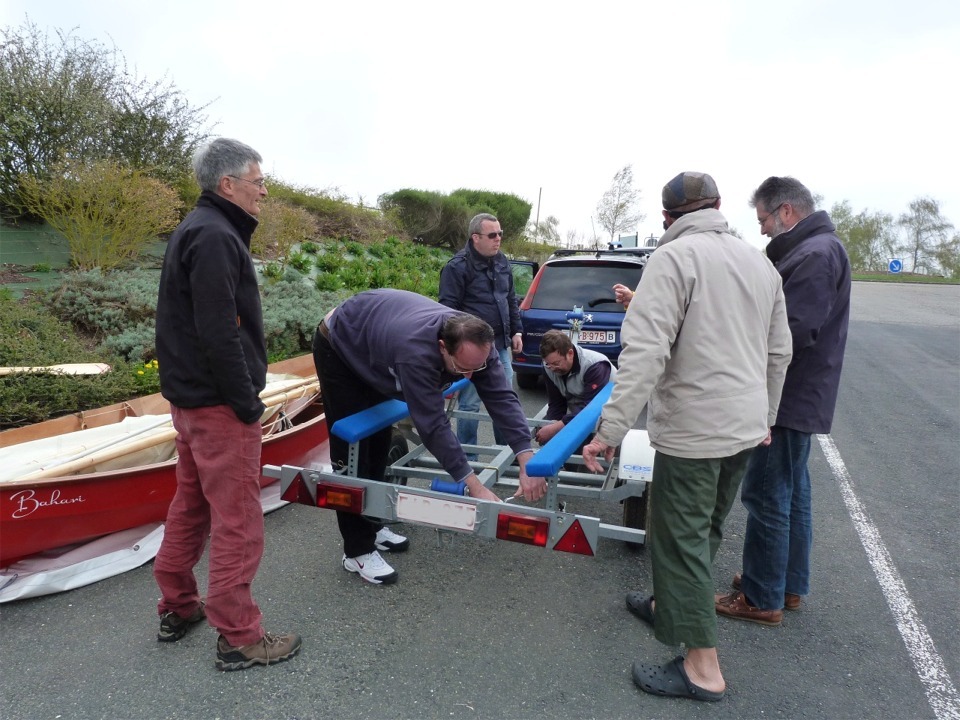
column 531, row 291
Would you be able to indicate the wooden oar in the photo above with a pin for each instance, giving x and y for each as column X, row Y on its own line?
column 64, row 369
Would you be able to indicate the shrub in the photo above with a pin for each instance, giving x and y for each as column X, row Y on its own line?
column 32, row 336
column 291, row 312
column 282, row 225
column 104, row 304
column 107, row 213
column 135, row 344
column 300, row 261
column 330, row 260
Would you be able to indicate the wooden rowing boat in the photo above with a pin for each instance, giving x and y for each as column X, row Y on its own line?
column 96, row 472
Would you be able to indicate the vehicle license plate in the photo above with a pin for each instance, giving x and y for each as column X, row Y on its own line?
column 598, row 337
column 436, row 511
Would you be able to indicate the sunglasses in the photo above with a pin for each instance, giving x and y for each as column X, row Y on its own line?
column 491, row 236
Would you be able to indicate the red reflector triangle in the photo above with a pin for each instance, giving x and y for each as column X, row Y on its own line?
column 298, row 492
column 574, row 540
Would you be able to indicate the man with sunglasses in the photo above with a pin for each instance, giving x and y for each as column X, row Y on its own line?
column 776, row 488
column 478, row 280
column 383, row 344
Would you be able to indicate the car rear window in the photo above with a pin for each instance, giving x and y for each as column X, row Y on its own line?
column 589, row 285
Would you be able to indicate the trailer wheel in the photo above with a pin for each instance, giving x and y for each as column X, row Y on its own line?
column 635, row 510
column 398, row 448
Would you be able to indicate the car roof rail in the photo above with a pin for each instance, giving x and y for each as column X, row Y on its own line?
column 635, row 252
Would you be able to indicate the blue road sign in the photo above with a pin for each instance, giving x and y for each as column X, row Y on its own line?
column 896, row 265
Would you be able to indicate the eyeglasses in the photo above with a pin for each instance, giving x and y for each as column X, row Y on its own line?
column 491, row 236
column 763, row 220
column 553, row 364
column 461, row 371
column 259, row 182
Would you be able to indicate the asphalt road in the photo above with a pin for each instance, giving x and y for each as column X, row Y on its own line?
column 485, row 629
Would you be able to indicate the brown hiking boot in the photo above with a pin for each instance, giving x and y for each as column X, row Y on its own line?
column 735, row 605
column 267, row 650
column 173, row 627
column 790, row 601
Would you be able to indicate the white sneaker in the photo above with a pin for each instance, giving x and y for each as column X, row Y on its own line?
column 389, row 541
column 372, row 568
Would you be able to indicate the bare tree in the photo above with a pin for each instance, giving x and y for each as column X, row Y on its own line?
column 546, row 231
column 617, row 209
column 926, row 231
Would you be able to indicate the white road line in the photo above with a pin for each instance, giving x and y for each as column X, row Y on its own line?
column 941, row 692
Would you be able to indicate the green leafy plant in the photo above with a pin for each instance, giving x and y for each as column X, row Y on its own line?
column 107, row 213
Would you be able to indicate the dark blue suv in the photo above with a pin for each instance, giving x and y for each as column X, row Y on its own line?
column 575, row 288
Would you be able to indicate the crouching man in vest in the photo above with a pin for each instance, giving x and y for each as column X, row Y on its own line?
column 574, row 377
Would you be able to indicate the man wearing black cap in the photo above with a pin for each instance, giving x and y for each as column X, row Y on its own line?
column 706, row 350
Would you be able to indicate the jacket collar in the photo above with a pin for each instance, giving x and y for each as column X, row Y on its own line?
column 244, row 222
column 817, row 223
column 699, row 221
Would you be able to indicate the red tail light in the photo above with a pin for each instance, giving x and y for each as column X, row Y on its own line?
column 340, row 497
column 531, row 291
column 523, row 529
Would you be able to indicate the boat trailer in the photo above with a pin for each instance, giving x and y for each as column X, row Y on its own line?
column 417, row 490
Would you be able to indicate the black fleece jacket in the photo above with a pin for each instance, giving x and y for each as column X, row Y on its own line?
column 210, row 343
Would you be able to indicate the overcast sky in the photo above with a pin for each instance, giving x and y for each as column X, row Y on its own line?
column 548, row 100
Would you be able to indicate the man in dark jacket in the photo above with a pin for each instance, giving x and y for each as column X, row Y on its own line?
column 383, row 344
column 478, row 280
column 213, row 363
column 776, row 488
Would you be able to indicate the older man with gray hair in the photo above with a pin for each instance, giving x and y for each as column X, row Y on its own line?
column 213, row 364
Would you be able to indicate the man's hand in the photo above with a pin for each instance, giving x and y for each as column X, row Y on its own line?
column 531, row 488
column 516, row 343
column 623, row 294
column 480, row 491
column 768, row 439
column 590, row 452
column 545, row 433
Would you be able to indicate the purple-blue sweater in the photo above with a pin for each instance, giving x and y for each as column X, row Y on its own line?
column 816, row 284
column 390, row 340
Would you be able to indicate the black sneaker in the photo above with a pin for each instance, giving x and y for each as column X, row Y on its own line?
column 267, row 650
column 173, row 627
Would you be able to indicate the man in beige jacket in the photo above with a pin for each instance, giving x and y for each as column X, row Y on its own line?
column 706, row 347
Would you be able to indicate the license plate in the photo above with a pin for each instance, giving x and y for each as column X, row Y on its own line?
column 436, row 511
column 598, row 337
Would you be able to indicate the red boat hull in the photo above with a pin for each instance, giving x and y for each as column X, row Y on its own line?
column 53, row 512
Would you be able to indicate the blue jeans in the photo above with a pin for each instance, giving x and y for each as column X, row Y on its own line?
column 779, row 534
column 470, row 402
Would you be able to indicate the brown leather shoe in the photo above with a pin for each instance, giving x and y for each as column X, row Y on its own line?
column 790, row 601
column 735, row 605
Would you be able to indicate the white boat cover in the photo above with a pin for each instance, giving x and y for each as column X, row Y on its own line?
column 132, row 442
column 78, row 565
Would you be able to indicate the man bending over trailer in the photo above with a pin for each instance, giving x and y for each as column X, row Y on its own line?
column 392, row 344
